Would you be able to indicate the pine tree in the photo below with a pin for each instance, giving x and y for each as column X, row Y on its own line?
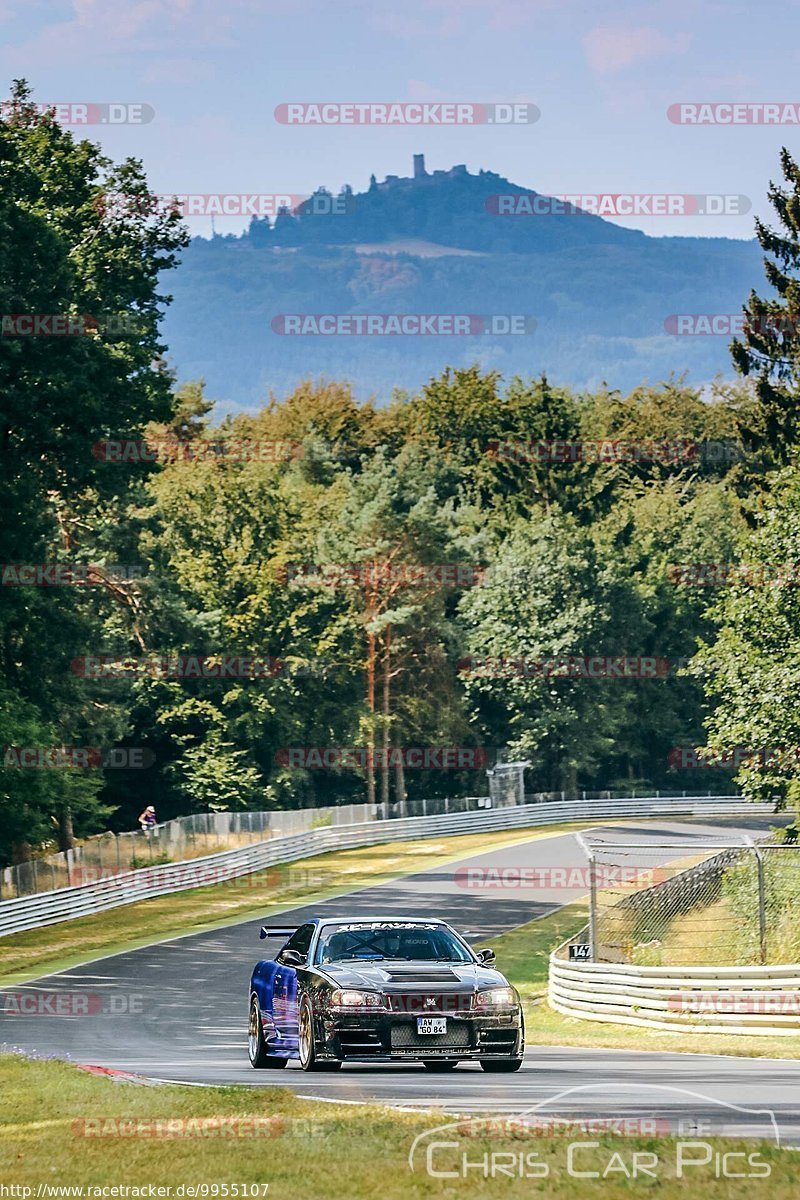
column 770, row 349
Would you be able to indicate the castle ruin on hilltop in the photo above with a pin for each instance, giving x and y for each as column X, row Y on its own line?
column 420, row 175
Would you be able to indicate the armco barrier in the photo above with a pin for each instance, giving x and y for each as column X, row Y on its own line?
column 49, row 908
column 751, row 1000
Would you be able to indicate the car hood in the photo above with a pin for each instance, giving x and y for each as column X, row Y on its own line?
column 412, row 977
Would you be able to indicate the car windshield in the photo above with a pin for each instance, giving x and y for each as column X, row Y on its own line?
column 376, row 941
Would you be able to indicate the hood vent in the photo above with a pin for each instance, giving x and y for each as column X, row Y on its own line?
column 435, row 975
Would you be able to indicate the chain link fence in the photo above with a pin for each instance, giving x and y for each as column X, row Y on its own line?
column 694, row 902
column 180, row 840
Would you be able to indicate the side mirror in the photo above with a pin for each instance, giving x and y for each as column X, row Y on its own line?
column 487, row 956
column 291, row 958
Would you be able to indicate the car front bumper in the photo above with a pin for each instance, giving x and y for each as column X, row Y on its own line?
column 394, row 1036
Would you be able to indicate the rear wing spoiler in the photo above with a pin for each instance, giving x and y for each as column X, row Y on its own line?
column 274, row 931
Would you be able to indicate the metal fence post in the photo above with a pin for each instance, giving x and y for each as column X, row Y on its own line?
column 762, row 905
column 589, row 852
column 593, row 908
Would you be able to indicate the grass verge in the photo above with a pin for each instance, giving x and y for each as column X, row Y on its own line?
column 65, row 1129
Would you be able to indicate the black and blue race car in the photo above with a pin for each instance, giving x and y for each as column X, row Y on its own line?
column 381, row 989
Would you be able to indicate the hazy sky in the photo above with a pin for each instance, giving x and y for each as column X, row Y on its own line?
column 602, row 74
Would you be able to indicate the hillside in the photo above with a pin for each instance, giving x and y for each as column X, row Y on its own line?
column 599, row 294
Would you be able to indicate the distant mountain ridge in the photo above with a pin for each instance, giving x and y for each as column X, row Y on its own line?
column 600, row 295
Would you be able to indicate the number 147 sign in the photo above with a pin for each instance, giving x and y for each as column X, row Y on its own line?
column 580, row 950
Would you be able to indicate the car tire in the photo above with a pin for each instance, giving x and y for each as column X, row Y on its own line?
column 306, row 1042
column 256, row 1046
column 439, row 1064
column 501, row 1065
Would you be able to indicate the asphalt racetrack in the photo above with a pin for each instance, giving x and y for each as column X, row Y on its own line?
column 189, row 997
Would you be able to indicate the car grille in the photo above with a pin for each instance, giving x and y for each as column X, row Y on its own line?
column 444, row 1002
column 405, row 1037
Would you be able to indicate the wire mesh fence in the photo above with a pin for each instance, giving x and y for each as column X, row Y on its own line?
column 694, row 902
column 179, row 840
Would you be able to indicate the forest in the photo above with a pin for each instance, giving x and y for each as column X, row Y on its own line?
column 328, row 599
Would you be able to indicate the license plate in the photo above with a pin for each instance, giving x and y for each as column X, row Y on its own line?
column 431, row 1025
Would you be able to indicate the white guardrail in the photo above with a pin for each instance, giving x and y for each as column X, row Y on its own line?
column 125, row 887
column 752, row 1000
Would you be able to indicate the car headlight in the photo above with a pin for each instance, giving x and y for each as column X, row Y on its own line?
column 349, row 998
column 499, row 997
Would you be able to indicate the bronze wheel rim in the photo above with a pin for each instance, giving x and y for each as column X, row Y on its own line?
column 253, row 1031
column 305, row 1037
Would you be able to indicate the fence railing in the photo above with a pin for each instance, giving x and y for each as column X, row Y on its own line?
column 125, row 887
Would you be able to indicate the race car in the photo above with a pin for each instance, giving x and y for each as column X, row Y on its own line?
column 381, row 989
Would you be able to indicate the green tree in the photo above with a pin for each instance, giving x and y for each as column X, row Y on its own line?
column 548, row 597
column 69, row 261
column 753, row 665
column 770, row 350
